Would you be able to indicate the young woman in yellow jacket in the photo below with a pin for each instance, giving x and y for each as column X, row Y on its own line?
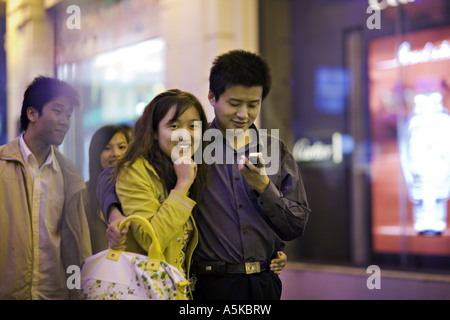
column 157, row 177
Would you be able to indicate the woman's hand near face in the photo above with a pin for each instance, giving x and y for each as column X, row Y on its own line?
column 186, row 171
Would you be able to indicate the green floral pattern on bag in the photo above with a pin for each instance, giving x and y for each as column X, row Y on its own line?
column 156, row 285
column 112, row 274
column 103, row 290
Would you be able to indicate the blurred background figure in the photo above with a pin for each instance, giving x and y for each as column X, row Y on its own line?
column 108, row 144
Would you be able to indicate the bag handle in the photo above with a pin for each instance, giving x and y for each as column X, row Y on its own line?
column 155, row 254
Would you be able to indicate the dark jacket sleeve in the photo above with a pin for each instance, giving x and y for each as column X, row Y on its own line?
column 284, row 202
column 106, row 191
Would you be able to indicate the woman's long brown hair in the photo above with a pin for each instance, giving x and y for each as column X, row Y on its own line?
column 145, row 143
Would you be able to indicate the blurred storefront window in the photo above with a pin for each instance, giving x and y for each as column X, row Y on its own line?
column 115, row 87
column 114, row 54
column 365, row 82
column 408, row 102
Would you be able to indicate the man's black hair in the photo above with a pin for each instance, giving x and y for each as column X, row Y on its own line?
column 43, row 90
column 239, row 67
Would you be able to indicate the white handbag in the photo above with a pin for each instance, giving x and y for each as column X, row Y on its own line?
column 120, row 275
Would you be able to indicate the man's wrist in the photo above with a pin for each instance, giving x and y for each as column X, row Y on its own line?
column 114, row 213
column 263, row 187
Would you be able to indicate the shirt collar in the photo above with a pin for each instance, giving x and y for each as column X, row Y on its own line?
column 26, row 153
column 256, row 144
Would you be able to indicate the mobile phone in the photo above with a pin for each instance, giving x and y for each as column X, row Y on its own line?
column 254, row 158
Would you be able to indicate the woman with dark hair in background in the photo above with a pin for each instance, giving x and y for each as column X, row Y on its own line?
column 108, row 144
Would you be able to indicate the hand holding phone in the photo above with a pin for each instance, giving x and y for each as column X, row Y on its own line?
column 255, row 159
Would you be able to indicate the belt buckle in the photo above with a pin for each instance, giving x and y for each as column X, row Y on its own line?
column 252, row 267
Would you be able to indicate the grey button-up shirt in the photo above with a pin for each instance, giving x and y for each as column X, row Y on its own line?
column 235, row 223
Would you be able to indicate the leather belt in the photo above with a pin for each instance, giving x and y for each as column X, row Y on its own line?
column 222, row 268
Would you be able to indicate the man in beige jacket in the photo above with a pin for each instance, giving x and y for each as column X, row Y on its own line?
column 43, row 224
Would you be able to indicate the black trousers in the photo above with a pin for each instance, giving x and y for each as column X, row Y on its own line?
column 259, row 286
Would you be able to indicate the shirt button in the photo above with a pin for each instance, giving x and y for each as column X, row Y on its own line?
column 178, row 239
column 176, row 260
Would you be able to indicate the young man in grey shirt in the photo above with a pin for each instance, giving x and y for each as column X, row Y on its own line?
column 250, row 206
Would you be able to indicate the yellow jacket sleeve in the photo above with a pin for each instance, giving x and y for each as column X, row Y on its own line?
column 140, row 191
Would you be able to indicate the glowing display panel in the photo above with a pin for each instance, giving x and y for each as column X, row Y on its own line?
column 401, row 72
